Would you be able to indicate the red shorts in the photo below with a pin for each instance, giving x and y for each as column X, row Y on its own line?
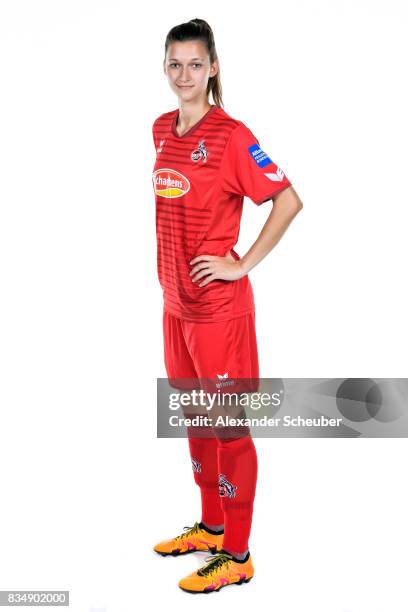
column 216, row 353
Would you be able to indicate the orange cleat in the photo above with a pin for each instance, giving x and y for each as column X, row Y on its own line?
column 195, row 538
column 221, row 570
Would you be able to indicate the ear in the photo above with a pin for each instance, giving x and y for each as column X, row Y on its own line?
column 214, row 68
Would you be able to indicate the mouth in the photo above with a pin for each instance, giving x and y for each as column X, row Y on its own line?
column 185, row 86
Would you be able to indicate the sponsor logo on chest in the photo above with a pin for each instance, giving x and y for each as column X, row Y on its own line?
column 169, row 183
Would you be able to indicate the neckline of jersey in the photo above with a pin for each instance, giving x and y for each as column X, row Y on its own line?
column 193, row 127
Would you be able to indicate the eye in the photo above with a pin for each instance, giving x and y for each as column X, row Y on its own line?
column 177, row 64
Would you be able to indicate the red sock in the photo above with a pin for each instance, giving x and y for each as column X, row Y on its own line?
column 204, row 461
column 238, row 470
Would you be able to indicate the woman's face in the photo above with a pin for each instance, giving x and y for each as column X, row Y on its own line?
column 187, row 67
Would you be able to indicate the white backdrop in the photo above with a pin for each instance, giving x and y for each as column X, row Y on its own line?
column 87, row 488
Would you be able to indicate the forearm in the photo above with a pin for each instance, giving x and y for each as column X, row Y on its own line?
column 285, row 207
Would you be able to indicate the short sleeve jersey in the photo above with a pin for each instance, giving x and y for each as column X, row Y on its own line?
column 200, row 180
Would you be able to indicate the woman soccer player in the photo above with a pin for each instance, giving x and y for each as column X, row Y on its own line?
column 206, row 163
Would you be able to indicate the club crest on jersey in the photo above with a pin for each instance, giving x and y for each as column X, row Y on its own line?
column 259, row 156
column 225, row 487
column 196, row 465
column 200, row 152
column 169, row 183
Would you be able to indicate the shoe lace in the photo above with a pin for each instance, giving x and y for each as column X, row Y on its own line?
column 214, row 563
column 190, row 531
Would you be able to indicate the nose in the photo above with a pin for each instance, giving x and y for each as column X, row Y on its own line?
column 184, row 77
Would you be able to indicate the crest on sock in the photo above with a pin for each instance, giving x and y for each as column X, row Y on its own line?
column 226, row 488
column 196, row 465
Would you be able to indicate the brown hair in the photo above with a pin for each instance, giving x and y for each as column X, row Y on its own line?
column 198, row 29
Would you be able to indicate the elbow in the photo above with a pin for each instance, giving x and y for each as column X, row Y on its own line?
column 296, row 207
column 297, row 202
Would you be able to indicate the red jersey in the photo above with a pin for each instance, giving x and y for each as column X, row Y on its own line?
column 200, row 180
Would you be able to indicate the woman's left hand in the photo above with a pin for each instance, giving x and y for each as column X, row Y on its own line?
column 213, row 267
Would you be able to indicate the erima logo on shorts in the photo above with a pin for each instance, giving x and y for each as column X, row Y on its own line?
column 224, row 381
column 226, row 488
column 259, row 156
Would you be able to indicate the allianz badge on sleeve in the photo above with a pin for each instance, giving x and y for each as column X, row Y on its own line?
column 261, row 158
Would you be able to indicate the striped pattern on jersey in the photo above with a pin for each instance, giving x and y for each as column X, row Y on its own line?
column 194, row 216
